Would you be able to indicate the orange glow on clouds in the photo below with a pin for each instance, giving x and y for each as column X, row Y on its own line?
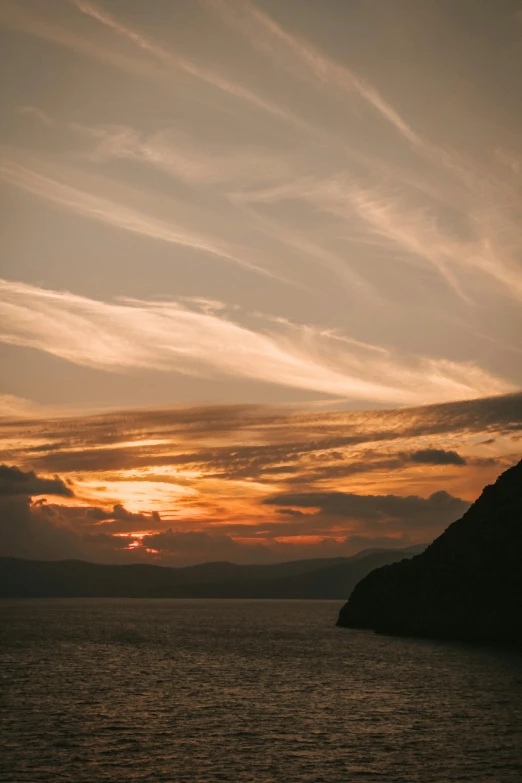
column 180, row 499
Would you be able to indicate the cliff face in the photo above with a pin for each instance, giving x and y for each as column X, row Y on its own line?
column 466, row 586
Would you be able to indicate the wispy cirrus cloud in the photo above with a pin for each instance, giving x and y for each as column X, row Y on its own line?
column 157, row 63
column 49, row 28
column 262, row 30
column 172, row 59
column 18, row 407
column 227, row 175
column 134, row 334
column 484, row 248
column 381, row 219
column 93, row 204
column 485, row 243
column 400, row 212
column 180, row 156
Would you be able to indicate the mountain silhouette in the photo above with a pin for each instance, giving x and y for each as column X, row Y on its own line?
column 320, row 578
column 467, row 585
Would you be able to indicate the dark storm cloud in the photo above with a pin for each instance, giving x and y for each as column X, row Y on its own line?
column 439, row 506
column 39, row 531
column 290, row 512
column 119, row 513
column 437, row 457
column 14, row 481
column 47, row 532
column 213, row 546
column 115, row 520
column 35, row 531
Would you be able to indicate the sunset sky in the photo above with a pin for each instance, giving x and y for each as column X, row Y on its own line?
column 261, row 281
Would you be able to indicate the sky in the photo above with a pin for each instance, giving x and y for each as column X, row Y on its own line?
column 261, row 281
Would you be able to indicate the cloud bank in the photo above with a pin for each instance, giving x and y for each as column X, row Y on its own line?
column 14, row 481
column 247, row 483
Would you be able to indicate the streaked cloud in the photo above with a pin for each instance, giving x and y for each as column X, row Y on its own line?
column 312, row 205
column 18, row 407
column 167, row 336
column 253, row 441
column 249, row 483
column 259, row 26
column 479, row 248
column 98, row 207
column 172, row 59
column 179, row 156
column 49, row 28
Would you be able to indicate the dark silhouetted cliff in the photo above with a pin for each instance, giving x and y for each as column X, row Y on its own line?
column 466, row 586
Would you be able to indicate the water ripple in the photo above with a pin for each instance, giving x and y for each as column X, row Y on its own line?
column 244, row 691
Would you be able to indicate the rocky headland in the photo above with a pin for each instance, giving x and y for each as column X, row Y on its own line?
column 467, row 585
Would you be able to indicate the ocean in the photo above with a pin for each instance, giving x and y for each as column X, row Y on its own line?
column 201, row 691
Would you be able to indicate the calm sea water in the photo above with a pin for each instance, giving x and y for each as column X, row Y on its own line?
column 194, row 691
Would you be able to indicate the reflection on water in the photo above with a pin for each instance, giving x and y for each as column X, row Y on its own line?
column 193, row 691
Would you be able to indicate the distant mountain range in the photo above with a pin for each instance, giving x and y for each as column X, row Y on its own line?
column 315, row 579
column 467, row 585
